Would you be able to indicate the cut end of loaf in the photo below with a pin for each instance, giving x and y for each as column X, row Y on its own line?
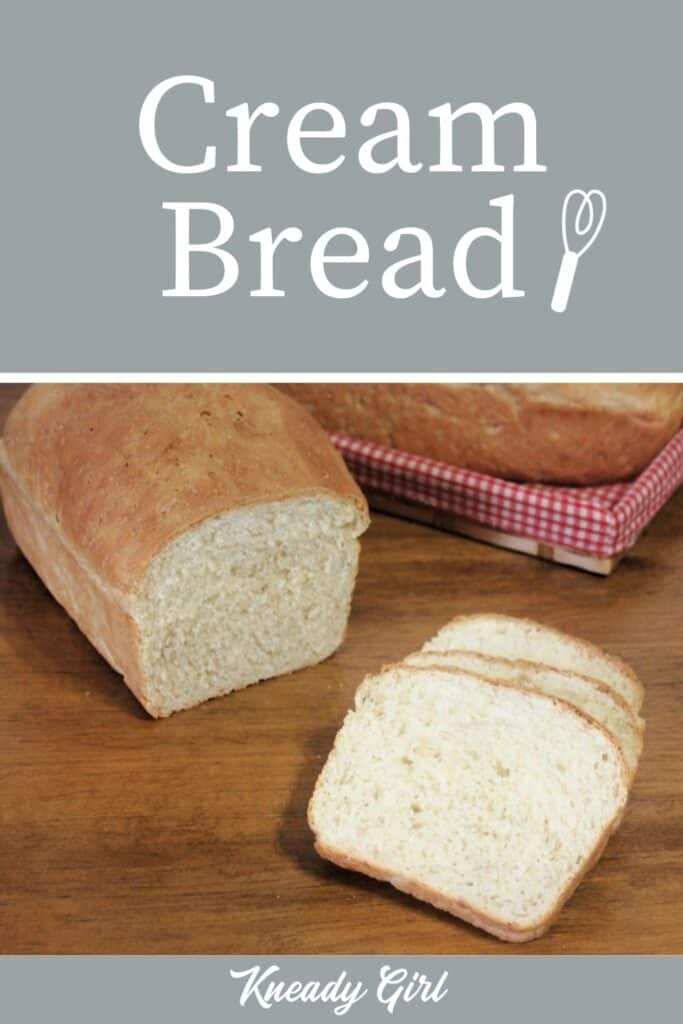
column 485, row 800
column 246, row 596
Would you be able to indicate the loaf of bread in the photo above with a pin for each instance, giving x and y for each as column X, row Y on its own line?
column 203, row 537
column 482, row 798
column 555, row 433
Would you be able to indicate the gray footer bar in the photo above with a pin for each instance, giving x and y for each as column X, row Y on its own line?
column 204, row 990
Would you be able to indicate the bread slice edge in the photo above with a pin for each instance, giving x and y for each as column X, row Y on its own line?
column 613, row 660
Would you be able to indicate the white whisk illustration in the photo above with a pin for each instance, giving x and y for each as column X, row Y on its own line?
column 588, row 219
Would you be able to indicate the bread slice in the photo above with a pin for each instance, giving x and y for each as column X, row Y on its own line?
column 508, row 637
column 487, row 800
column 588, row 695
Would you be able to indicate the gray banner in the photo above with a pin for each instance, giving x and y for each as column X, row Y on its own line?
column 175, row 990
column 89, row 249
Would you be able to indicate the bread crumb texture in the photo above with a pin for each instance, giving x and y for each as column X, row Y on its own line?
column 246, row 596
column 491, row 799
column 588, row 695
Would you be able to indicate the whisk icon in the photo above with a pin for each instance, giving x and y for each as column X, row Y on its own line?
column 588, row 217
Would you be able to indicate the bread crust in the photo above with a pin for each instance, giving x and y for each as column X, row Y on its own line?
column 123, row 469
column 505, row 930
column 99, row 612
column 585, row 645
column 552, row 433
column 97, row 479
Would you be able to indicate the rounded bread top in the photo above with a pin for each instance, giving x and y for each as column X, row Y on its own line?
column 123, row 469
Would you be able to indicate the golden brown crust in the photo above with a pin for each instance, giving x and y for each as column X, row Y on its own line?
column 122, row 469
column 555, row 433
column 501, row 929
column 98, row 611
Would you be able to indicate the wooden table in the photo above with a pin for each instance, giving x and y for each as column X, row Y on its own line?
column 125, row 835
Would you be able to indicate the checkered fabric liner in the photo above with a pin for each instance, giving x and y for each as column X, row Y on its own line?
column 601, row 521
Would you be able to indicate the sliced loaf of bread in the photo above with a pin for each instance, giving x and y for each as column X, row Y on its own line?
column 507, row 637
column 588, row 695
column 485, row 799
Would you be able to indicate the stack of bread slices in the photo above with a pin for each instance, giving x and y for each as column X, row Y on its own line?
column 484, row 773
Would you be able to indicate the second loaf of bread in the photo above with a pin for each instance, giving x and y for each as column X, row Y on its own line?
column 558, row 433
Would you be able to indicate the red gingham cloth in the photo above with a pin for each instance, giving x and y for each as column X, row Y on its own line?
column 600, row 521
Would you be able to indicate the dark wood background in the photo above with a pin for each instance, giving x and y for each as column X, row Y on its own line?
column 120, row 834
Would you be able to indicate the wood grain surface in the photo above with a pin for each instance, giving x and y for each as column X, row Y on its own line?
column 125, row 835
